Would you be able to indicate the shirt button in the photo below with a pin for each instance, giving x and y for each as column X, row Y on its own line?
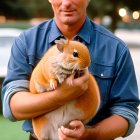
column 102, row 74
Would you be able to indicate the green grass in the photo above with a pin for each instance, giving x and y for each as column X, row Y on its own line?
column 11, row 130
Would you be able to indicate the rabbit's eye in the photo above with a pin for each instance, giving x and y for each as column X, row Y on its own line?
column 75, row 53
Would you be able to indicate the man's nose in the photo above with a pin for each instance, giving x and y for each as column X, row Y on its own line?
column 66, row 3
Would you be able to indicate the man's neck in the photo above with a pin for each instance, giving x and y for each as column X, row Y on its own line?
column 69, row 31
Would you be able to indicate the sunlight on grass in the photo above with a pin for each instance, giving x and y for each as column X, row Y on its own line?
column 11, row 130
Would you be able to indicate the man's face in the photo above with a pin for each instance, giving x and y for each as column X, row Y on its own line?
column 69, row 11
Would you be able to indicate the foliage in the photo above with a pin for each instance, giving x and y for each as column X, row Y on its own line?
column 26, row 9
column 132, row 4
column 13, row 8
column 111, row 7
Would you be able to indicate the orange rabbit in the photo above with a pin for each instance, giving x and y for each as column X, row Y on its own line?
column 61, row 60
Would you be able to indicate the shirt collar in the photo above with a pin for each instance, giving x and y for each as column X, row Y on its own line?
column 83, row 33
column 54, row 32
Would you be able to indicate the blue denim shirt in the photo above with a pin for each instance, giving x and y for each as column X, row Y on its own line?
column 111, row 64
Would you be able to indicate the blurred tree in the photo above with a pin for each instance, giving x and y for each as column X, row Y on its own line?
column 132, row 4
column 25, row 9
column 103, row 8
column 111, row 7
column 38, row 8
column 13, row 9
column 45, row 9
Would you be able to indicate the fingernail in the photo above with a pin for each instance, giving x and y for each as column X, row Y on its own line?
column 62, row 127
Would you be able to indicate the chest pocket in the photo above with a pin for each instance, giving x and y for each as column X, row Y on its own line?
column 104, row 76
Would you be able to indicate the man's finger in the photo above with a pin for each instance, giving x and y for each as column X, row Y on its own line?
column 84, row 78
column 63, row 136
column 69, row 132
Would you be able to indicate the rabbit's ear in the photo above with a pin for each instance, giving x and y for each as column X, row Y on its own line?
column 60, row 44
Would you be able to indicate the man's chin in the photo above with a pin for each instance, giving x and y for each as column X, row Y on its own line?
column 69, row 21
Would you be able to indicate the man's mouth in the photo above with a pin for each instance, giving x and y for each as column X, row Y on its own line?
column 68, row 11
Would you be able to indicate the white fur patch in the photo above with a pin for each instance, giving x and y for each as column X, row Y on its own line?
column 60, row 117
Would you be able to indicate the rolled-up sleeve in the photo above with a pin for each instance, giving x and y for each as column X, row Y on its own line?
column 128, row 114
column 9, row 90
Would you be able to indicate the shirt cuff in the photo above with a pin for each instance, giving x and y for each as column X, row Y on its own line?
column 9, row 90
column 128, row 114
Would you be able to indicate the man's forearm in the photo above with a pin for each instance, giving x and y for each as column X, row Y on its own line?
column 25, row 105
column 108, row 129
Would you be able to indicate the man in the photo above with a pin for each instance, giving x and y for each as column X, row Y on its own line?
column 111, row 64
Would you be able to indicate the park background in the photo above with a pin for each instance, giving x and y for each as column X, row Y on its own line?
column 120, row 16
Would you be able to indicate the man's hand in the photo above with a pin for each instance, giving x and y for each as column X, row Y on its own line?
column 72, row 88
column 77, row 131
